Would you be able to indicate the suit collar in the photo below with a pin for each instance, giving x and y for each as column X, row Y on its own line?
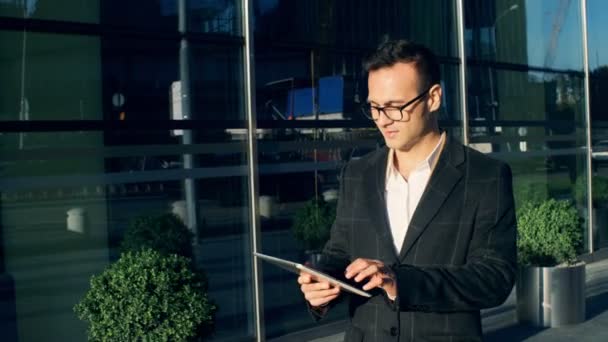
column 429, row 163
column 443, row 179
column 374, row 184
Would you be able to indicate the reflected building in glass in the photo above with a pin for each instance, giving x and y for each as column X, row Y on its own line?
column 234, row 114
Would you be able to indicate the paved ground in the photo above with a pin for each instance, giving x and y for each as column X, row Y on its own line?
column 595, row 328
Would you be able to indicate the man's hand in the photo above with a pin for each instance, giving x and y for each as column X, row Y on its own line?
column 317, row 293
column 378, row 274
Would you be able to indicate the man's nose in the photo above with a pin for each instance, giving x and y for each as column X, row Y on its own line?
column 383, row 119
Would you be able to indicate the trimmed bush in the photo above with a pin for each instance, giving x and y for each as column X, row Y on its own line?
column 164, row 233
column 146, row 296
column 549, row 233
column 313, row 222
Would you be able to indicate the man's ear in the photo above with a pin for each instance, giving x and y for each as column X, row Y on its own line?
column 434, row 98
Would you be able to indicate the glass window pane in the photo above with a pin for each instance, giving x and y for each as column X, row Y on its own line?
column 204, row 16
column 216, row 82
column 356, row 23
column 62, row 77
column 540, row 33
column 67, row 202
column 596, row 28
column 63, row 10
column 536, row 123
column 51, row 77
column 104, row 180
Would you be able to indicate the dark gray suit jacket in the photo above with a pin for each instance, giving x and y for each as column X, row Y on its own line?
column 459, row 254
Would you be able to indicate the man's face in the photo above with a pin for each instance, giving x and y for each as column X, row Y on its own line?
column 394, row 86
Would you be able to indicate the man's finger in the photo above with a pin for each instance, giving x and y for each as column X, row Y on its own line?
column 367, row 272
column 321, row 294
column 304, row 278
column 376, row 281
column 315, row 286
column 355, row 267
column 324, row 301
column 307, row 278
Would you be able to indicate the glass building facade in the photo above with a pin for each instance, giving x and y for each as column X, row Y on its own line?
column 233, row 114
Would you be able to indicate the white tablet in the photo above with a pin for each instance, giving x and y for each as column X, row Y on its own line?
column 297, row 268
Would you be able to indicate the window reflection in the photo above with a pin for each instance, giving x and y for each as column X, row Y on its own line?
column 67, row 197
column 543, row 33
column 535, row 121
column 204, row 16
column 356, row 23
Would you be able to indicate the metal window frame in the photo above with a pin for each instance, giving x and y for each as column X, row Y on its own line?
column 71, row 28
column 252, row 160
column 463, row 72
column 592, row 231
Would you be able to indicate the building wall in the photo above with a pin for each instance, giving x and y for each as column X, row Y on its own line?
column 98, row 76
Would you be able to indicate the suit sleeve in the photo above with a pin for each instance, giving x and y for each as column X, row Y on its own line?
column 336, row 253
column 487, row 277
column 335, row 257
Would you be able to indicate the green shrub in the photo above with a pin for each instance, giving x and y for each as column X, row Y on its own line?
column 146, row 296
column 549, row 233
column 600, row 190
column 164, row 233
column 312, row 223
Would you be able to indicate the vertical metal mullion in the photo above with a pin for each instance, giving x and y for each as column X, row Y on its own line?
column 190, row 192
column 252, row 160
column 463, row 70
column 592, row 232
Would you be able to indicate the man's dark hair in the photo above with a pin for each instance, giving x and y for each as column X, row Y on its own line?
column 392, row 52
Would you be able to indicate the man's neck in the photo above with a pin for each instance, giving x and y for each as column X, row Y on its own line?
column 407, row 160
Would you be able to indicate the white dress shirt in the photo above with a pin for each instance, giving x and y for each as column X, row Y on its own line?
column 402, row 196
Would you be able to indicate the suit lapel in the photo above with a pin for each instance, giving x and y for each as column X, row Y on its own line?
column 374, row 187
column 445, row 176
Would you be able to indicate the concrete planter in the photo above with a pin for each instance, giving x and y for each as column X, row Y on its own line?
column 551, row 296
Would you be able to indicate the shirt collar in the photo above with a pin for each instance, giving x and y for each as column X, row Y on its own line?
column 429, row 162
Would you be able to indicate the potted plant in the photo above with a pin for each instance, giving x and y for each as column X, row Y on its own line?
column 165, row 233
column 147, row 296
column 599, row 199
column 312, row 225
column 551, row 282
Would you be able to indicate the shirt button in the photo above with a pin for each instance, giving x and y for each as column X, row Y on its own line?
column 394, row 331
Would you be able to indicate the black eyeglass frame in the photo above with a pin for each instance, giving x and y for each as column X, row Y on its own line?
column 367, row 107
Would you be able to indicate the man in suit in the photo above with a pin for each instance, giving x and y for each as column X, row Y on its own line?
column 425, row 224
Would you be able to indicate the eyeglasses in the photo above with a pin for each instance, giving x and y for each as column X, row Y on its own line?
column 392, row 112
